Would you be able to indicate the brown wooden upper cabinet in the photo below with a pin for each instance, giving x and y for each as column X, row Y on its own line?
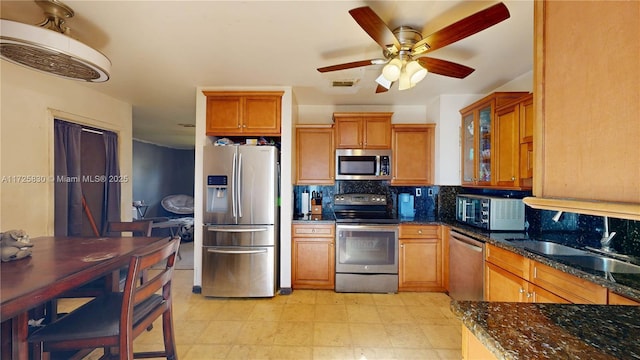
column 243, row 113
column 586, row 108
column 479, row 141
column 513, row 144
column 363, row 130
column 315, row 155
column 413, row 154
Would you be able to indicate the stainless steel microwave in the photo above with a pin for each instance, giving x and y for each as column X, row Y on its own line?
column 363, row 164
column 490, row 213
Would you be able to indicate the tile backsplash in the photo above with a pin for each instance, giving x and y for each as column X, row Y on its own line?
column 438, row 203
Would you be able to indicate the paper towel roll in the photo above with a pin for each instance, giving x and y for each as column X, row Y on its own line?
column 304, row 203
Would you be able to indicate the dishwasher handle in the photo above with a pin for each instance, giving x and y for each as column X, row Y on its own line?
column 468, row 241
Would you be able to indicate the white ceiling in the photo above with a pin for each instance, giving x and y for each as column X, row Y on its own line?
column 162, row 50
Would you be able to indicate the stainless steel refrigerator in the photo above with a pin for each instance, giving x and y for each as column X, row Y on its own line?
column 240, row 235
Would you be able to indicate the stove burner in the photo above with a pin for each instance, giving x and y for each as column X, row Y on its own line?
column 362, row 209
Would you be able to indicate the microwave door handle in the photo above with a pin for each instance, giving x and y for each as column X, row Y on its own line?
column 465, row 205
column 464, row 210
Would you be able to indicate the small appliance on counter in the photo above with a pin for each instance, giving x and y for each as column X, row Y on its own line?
column 406, row 207
column 490, row 212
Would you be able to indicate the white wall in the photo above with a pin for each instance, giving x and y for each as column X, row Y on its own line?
column 286, row 187
column 445, row 112
column 29, row 102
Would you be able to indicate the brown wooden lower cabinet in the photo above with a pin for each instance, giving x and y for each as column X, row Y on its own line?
column 512, row 277
column 421, row 258
column 572, row 288
column 313, row 256
column 616, row 299
column 501, row 285
column 472, row 348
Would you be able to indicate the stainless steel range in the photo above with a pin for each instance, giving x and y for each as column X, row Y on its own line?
column 366, row 244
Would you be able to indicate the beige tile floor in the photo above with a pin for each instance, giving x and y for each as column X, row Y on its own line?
column 308, row 324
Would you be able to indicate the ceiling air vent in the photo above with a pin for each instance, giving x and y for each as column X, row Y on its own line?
column 343, row 83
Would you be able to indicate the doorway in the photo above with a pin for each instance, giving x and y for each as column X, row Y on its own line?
column 85, row 161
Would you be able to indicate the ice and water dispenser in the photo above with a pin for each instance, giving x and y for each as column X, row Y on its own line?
column 217, row 194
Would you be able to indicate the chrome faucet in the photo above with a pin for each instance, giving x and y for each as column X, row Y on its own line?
column 605, row 241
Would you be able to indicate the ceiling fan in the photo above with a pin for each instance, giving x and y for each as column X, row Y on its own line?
column 404, row 47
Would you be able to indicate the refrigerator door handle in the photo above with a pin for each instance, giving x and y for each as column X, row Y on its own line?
column 234, row 172
column 240, row 185
column 241, row 252
column 236, row 230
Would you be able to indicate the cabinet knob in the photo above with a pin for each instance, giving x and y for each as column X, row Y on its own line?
column 401, row 245
column 244, row 126
column 420, row 231
column 529, row 295
column 521, row 291
column 513, row 178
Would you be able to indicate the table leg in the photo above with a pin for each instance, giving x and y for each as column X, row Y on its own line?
column 5, row 331
column 19, row 334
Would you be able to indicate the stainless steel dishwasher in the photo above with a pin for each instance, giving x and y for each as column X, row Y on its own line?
column 466, row 267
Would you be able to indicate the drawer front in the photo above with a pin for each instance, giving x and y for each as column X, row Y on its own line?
column 419, row 231
column 570, row 287
column 615, row 299
column 314, row 231
column 510, row 261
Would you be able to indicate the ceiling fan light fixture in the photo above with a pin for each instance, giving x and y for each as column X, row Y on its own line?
column 416, row 71
column 49, row 51
column 404, row 82
column 392, row 70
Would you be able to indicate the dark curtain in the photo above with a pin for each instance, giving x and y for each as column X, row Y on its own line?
column 111, row 211
column 68, row 188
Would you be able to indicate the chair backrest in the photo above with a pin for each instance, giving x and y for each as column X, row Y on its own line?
column 151, row 298
column 137, row 228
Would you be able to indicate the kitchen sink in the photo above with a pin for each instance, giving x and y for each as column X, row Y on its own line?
column 548, row 248
column 577, row 257
column 601, row 263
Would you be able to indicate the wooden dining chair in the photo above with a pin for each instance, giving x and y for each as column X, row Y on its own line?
column 99, row 287
column 114, row 228
column 115, row 320
column 137, row 228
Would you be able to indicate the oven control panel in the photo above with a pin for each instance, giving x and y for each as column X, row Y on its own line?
column 359, row 199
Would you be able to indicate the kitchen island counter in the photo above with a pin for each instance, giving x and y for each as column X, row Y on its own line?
column 552, row 331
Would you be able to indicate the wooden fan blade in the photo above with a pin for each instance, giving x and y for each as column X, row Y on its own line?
column 371, row 23
column 463, row 28
column 349, row 65
column 381, row 89
column 444, row 67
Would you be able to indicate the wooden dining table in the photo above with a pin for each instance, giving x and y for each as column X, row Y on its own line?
column 56, row 265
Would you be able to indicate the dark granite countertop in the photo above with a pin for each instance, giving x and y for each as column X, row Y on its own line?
column 623, row 284
column 325, row 218
column 553, row 331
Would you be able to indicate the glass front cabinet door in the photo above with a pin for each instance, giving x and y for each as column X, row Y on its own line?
column 476, row 144
column 468, row 148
